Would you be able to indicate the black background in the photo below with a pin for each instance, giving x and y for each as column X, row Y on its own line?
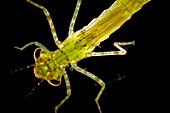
column 28, row 23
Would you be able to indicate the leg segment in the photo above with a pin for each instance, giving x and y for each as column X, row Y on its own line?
column 116, row 44
column 47, row 14
column 31, row 43
column 68, row 91
column 71, row 27
column 92, row 76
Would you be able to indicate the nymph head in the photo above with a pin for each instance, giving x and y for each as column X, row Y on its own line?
column 46, row 68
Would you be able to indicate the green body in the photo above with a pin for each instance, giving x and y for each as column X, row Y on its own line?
column 79, row 44
column 85, row 40
column 50, row 65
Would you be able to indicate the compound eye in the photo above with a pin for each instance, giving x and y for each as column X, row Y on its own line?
column 37, row 53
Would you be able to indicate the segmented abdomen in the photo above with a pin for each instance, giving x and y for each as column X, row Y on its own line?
column 111, row 19
column 98, row 30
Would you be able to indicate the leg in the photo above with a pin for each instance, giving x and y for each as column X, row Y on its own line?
column 92, row 76
column 31, row 43
column 74, row 17
column 68, row 91
column 47, row 14
column 116, row 44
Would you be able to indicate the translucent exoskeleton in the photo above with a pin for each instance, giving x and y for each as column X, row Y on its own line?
column 51, row 65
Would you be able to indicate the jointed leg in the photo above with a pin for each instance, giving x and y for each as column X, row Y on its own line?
column 68, row 91
column 74, row 17
column 31, row 43
column 92, row 76
column 47, row 14
column 116, row 44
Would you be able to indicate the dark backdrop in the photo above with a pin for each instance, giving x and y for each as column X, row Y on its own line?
column 28, row 23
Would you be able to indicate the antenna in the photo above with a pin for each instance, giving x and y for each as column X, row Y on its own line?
column 20, row 69
column 39, row 83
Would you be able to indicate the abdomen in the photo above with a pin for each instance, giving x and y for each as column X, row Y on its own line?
column 112, row 19
column 98, row 30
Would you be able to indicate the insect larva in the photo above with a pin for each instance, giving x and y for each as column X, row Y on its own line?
column 50, row 65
